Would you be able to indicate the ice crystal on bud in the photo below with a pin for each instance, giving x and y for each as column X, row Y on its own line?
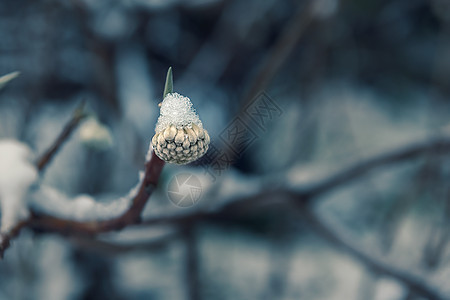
column 180, row 137
column 177, row 110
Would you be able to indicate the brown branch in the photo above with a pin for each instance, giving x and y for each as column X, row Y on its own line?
column 153, row 169
column 77, row 116
column 280, row 51
column 5, row 238
column 39, row 222
column 308, row 193
column 302, row 197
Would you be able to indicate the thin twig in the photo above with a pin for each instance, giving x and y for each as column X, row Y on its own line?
column 77, row 116
column 280, row 52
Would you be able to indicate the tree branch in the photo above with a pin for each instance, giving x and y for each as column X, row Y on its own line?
column 436, row 146
column 77, row 116
column 5, row 238
column 303, row 195
column 414, row 283
column 307, row 193
column 153, row 169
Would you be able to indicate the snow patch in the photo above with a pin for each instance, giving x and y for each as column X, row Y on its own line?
column 82, row 207
column 177, row 110
column 17, row 174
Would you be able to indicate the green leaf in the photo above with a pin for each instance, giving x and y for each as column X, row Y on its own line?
column 168, row 87
column 7, row 78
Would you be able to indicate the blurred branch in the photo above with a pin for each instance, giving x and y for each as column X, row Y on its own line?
column 77, row 116
column 281, row 50
column 302, row 196
column 192, row 264
column 41, row 163
column 114, row 248
column 377, row 265
column 153, row 168
column 307, row 193
column 5, row 238
column 436, row 146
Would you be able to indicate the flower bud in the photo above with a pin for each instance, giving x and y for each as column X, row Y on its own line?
column 180, row 137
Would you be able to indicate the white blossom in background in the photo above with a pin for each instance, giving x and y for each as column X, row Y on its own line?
column 180, row 137
column 17, row 174
column 95, row 135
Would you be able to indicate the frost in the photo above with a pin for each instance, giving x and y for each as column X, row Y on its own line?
column 177, row 110
column 82, row 207
column 17, row 174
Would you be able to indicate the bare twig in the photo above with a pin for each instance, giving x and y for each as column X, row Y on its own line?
column 280, row 52
column 77, row 116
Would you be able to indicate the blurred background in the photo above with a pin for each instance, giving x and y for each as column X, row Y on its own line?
column 345, row 80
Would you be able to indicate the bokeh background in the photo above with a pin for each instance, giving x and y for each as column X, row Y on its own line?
column 352, row 79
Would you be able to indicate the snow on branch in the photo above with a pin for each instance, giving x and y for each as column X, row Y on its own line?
column 132, row 215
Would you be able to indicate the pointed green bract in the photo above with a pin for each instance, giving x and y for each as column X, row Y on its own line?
column 7, row 78
column 168, row 87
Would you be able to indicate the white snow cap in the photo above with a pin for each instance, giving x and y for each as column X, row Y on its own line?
column 17, row 174
column 177, row 110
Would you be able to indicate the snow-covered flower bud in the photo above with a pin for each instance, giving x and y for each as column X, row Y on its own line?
column 180, row 137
